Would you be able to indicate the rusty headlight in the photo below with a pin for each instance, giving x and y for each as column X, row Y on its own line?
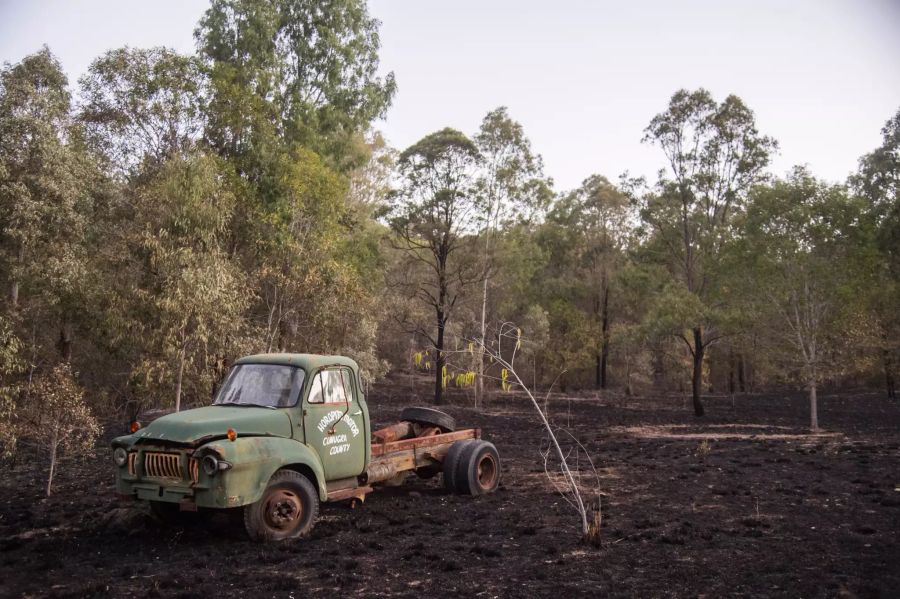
column 120, row 456
column 212, row 464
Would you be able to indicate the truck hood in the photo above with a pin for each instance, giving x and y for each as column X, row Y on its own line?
column 214, row 421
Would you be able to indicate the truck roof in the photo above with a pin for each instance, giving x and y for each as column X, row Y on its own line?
column 307, row 362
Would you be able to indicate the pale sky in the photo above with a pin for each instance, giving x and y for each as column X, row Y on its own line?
column 584, row 78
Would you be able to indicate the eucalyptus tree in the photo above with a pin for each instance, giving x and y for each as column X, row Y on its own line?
column 189, row 299
column 878, row 181
column 434, row 219
column 293, row 89
column 12, row 364
column 58, row 419
column 297, row 71
column 511, row 185
column 715, row 155
column 804, row 242
column 142, row 106
column 44, row 202
column 599, row 214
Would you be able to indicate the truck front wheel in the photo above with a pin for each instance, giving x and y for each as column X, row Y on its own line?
column 287, row 509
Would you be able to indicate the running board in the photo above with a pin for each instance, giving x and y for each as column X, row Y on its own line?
column 355, row 493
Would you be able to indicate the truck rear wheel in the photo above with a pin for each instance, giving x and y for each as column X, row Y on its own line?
column 287, row 509
column 478, row 469
column 431, row 417
column 451, row 464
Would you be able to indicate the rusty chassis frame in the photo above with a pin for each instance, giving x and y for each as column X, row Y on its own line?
column 394, row 452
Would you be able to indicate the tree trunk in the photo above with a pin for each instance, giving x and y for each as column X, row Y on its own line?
column 604, row 351
column 65, row 342
column 740, row 372
column 479, row 379
column 889, row 376
column 697, row 378
column 659, row 368
column 731, row 360
column 179, row 378
column 54, row 445
column 14, row 284
column 813, row 407
column 439, row 361
column 888, row 367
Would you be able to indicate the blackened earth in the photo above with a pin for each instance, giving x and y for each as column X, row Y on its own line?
column 742, row 502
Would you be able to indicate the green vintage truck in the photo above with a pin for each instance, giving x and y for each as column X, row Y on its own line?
column 284, row 433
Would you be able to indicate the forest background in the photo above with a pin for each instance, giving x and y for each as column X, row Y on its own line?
column 169, row 213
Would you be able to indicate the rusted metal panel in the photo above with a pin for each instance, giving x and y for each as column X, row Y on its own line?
column 380, row 470
column 356, row 493
column 391, row 464
column 342, row 483
column 162, row 465
column 393, row 432
column 400, row 460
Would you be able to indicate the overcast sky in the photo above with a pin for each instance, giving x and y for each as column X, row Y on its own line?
column 584, row 78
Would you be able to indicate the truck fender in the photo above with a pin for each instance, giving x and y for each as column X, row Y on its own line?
column 255, row 459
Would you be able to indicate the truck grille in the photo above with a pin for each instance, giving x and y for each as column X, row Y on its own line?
column 162, row 465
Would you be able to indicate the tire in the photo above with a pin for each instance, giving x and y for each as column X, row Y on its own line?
column 451, row 464
column 429, row 416
column 478, row 469
column 287, row 509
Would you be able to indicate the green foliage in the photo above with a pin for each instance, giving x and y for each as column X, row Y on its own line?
column 302, row 71
column 511, row 183
column 11, row 365
column 45, row 206
column 191, row 209
column 55, row 416
column 436, row 207
column 140, row 107
column 715, row 155
column 804, row 243
column 195, row 298
column 878, row 183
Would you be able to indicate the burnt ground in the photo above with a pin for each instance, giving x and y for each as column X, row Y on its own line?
column 758, row 509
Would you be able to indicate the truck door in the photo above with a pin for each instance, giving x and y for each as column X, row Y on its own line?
column 333, row 423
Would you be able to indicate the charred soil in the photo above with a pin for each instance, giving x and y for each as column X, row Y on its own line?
column 741, row 502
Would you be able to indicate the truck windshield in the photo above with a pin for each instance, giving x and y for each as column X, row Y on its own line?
column 265, row 385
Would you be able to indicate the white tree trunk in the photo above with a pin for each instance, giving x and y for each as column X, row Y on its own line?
column 179, row 378
column 479, row 380
column 54, row 445
column 813, row 408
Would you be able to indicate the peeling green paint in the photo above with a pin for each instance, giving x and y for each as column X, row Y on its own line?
column 326, row 441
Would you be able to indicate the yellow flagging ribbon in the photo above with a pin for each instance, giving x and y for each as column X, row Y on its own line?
column 465, row 379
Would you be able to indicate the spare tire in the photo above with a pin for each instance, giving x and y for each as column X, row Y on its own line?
column 431, row 417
